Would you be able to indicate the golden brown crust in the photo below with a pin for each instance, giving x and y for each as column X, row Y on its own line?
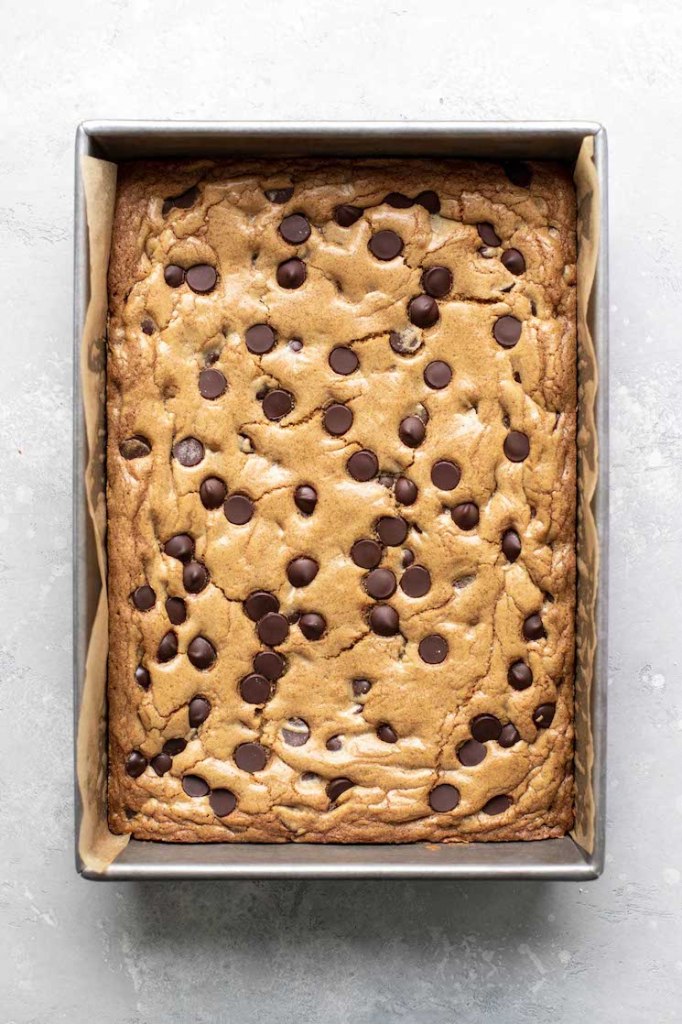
column 349, row 298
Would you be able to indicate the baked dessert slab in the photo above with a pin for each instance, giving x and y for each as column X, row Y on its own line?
column 341, row 501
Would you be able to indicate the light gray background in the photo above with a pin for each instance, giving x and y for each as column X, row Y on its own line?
column 435, row 952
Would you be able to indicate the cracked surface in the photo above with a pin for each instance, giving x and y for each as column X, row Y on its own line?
column 349, row 298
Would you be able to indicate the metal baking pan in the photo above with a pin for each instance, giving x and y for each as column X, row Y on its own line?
column 546, row 859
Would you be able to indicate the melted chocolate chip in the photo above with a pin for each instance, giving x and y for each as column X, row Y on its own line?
column 312, row 625
column 291, row 273
column 201, row 278
column 296, row 732
column 181, row 546
column 295, row 229
column 273, row 629
column 423, row 311
column 392, row 530
column 437, row 281
column 516, row 446
column 251, row 757
column 366, row 553
column 147, row 326
column 433, row 649
column 533, row 628
column 195, row 786
column 437, row 375
column 168, row 647
column 485, row 727
column 416, row 581
column 471, row 753
column 173, row 275
column 176, row 610
column 198, row 711
column 513, row 260
column 384, row 620
column 405, row 491
column 408, row 558
column 398, row 200
column 445, row 475
column 201, row 653
column 429, row 200
column 509, row 735
column 387, row 733
column 195, row 577
column 511, row 545
column 519, row 675
column 518, row 172
column 238, row 509
column 301, row 571
column 144, row 598
column 386, row 245
column 487, row 233
column 259, row 603
column 222, row 802
column 142, row 677
column 443, row 798
column 380, row 584
column 135, row 764
column 181, row 202
column 212, row 384
column 174, row 746
column 338, row 786
column 161, row 764
column 136, row 447
column 337, row 419
column 305, row 499
column 466, row 515
column 497, row 805
column 411, row 431
column 189, row 451
column 543, row 716
column 507, row 331
column 270, row 664
column 255, row 689
column 363, row 465
column 279, row 195
column 260, row 339
column 334, row 743
column 343, row 360
column 404, row 343
column 346, row 215
column 277, row 404
column 361, row 687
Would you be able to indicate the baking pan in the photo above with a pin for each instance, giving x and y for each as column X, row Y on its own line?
column 571, row 857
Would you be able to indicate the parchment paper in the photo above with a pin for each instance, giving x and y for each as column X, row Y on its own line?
column 98, row 847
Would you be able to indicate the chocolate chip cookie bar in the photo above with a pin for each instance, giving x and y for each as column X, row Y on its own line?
column 341, row 501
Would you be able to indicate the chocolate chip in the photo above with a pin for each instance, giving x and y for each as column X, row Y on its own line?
column 384, row 620
column 147, row 326
column 507, row 331
column 201, row 653
column 386, row 245
column 404, row 343
column 411, row 431
column 135, row 764
column 392, row 530
column 181, row 546
column 380, row 583
column 260, row 339
column 279, row 195
column 361, row 687
column 251, row 757
column 182, row 202
column 516, row 446
column 212, row 384
column 296, row 732
column 485, row 727
column 168, row 647
column 437, row 282
column 259, row 603
column 174, row 746
column 443, row 798
column 338, row 786
column 195, row 577
column 334, row 743
column 398, row 200
column 445, row 475
column 405, row 491
column 337, row 419
column 176, row 610
column 195, row 786
column 533, row 628
column 173, row 275
column 277, row 404
column 312, row 625
column 487, row 233
column 301, row 571
column 305, row 499
column 255, row 689
column 423, row 311
column 416, row 581
column 222, row 802
column 433, row 649
column 295, row 229
column 429, row 200
column 497, row 805
column 343, row 360
column 345, row 215
column 295, row 344
column 513, row 260
column 291, row 273
column 198, row 711
column 511, row 545
column 136, row 447
column 201, row 278
column 273, row 629
column 543, row 716
column 386, row 733
column 471, row 753
column 519, row 675
column 509, row 735
column 189, row 451
column 212, row 492
column 408, row 558
column 465, row 515
column 363, row 465
column 238, row 509
column 144, row 598
column 269, row 664
column 161, row 764
column 518, row 172
column 142, row 677
column 366, row 553
column 437, row 375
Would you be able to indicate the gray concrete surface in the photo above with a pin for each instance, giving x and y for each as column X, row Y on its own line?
column 610, row 951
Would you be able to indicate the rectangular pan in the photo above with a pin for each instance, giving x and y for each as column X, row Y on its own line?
column 563, row 858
